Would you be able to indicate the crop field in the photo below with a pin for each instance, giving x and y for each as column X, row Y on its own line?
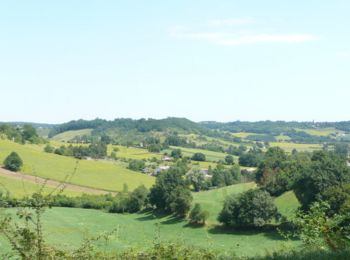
column 243, row 134
column 69, row 135
column 95, row 174
column 22, row 188
column 210, row 155
column 66, row 227
column 320, row 131
column 132, row 152
column 288, row 147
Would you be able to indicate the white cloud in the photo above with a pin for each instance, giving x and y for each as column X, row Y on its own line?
column 232, row 39
column 231, row 22
column 229, row 32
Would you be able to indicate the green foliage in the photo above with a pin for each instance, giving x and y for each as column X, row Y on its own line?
column 198, row 215
column 200, row 157
column 171, row 192
column 325, row 171
column 136, row 165
column 176, row 153
column 338, row 197
column 222, row 176
column 13, row 162
column 317, row 230
column 197, row 179
column 229, row 159
column 251, row 159
column 254, row 208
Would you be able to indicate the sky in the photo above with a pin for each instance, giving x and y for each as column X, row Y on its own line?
column 222, row 60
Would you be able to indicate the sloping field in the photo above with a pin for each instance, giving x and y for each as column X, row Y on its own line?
column 95, row 174
column 288, row 147
column 210, row 155
column 132, row 152
column 69, row 135
column 212, row 200
column 67, row 227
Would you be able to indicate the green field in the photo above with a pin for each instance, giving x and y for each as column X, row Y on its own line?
column 287, row 204
column 67, row 227
column 69, row 135
column 22, row 188
column 288, row 147
column 96, row 174
column 212, row 200
column 210, row 155
column 319, row 131
column 132, row 152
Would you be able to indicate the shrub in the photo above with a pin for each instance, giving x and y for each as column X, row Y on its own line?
column 13, row 162
column 198, row 215
column 254, row 208
column 200, row 157
column 136, row 165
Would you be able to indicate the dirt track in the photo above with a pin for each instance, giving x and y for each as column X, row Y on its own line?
column 50, row 183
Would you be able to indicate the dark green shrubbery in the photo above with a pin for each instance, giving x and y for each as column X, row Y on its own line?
column 254, row 208
column 13, row 162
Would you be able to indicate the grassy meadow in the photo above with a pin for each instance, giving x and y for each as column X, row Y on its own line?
column 69, row 135
column 104, row 175
column 66, row 228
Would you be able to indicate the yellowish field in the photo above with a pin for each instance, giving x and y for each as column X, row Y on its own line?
column 22, row 188
column 95, row 174
column 288, row 147
column 319, row 132
column 69, row 135
column 132, row 152
column 243, row 134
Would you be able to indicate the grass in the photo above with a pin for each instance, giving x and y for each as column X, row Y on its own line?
column 66, row 228
column 19, row 189
column 212, row 200
column 96, row 174
column 132, row 152
column 287, row 204
column 319, row 131
column 210, row 155
column 288, row 147
column 243, row 135
column 69, row 135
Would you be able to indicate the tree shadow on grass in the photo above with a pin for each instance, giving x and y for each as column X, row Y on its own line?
column 166, row 218
column 194, row 226
column 269, row 232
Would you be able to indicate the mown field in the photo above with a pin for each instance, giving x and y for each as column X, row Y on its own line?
column 210, row 155
column 67, row 227
column 132, row 152
column 288, row 147
column 69, row 135
column 103, row 175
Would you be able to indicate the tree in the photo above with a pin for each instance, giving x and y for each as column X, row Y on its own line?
column 254, row 208
column 13, row 162
column 229, row 159
column 136, row 165
column 169, row 185
column 176, row 153
column 180, row 201
column 198, row 215
column 326, row 170
column 138, row 199
column 200, row 157
column 197, row 179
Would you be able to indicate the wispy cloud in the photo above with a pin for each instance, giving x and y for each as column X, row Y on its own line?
column 228, row 32
column 231, row 22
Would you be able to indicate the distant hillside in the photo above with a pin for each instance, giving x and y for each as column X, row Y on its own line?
column 126, row 124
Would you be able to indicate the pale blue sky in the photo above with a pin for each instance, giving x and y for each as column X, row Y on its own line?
column 220, row 60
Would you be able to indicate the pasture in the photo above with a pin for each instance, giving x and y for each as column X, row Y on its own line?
column 288, row 147
column 66, row 228
column 104, row 175
column 69, row 135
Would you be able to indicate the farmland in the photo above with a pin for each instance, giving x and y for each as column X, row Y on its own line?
column 103, row 175
column 62, row 225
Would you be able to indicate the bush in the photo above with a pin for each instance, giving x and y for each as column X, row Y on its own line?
column 200, row 157
column 198, row 215
column 13, row 162
column 136, row 165
column 254, row 208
